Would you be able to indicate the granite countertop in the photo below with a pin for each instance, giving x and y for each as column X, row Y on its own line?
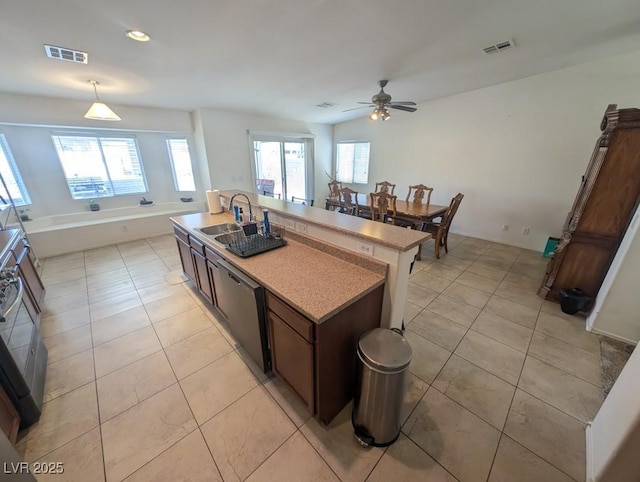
column 314, row 282
column 395, row 237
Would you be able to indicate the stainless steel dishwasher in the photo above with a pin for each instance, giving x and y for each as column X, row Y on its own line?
column 242, row 300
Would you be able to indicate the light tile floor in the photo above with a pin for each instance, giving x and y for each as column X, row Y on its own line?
column 144, row 383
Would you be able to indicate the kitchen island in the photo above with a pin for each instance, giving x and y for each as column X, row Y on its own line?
column 320, row 292
column 319, row 299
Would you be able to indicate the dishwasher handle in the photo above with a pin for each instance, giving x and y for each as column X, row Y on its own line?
column 238, row 276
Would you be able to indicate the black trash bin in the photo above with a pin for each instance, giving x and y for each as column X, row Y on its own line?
column 574, row 300
column 383, row 369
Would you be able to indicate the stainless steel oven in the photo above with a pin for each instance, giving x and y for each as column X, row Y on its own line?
column 23, row 356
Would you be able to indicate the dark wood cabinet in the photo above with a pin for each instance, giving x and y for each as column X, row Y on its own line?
column 214, row 276
column 292, row 359
column 202, row 272
column 182, row 239
column 34, row 289
column 9, row 418
column 318, row 361
column 603, row 208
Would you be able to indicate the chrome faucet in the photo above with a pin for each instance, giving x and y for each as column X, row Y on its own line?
column 248, row 202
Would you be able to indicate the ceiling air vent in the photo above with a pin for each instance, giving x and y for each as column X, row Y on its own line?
column 499, row 47
column 62, row 53
column 325, row 105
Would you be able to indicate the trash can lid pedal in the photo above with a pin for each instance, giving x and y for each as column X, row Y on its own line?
column 384, row 349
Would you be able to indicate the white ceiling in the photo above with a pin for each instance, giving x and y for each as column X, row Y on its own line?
column 282, row 57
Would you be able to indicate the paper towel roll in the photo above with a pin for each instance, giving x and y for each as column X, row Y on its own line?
column 213, row 200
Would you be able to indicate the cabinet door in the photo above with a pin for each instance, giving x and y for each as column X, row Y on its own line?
column 27, row 271
column 9, row 418
column 214, row 277
column 202, row 275
column 292, row 360
column 185, row 258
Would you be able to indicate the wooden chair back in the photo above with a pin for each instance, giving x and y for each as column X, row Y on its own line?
column 301, row 200
column 447, row 217
column 349, row 201
column 440, row 231
column 385, row 186
column 382, row 204
column 334, row 189
column 418, row 193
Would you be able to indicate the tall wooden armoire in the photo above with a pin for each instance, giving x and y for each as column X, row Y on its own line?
column 606, row 202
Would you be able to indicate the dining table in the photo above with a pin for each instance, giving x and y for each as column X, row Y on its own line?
column 410, row 210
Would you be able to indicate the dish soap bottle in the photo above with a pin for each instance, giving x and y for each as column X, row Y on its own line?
column 265, row 222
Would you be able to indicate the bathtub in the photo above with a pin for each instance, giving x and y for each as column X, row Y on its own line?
column 66, row 233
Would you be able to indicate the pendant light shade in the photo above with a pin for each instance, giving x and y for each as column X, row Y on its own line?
column 98, row 110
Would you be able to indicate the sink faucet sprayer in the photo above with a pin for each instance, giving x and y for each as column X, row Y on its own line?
column 248, row 202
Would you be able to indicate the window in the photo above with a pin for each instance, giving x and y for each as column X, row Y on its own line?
column 11, row 175
column 181, row 164
column 100, row 166
column 282, row 164
column 352, row 162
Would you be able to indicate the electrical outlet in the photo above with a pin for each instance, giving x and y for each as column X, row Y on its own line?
column 525, row 231
column 288, row 223
column 365, row 248
column 505, row 227
column 302, row 227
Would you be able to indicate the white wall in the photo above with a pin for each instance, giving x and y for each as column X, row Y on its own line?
column 28, row 123
column 516, row 151
column 616, row 312
column 222, row 137
column 613, row 438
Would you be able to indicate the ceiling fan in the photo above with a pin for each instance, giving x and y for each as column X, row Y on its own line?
column 382, row 101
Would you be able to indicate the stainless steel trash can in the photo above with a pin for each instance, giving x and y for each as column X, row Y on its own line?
column 383, row 369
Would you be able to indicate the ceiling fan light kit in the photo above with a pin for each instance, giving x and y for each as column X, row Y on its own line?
column 381, row 103
column 99, row 110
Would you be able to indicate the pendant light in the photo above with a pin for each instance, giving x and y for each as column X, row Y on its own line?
column 98, row 110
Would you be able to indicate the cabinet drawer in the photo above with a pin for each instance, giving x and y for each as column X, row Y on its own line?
column 197, row 245
column 291, row 317
column 212, row 255
column 183, row 235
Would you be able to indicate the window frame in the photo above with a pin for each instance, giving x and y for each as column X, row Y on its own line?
column 173, row 165
column 15, row 173
column 352, row 179
column 99, row 137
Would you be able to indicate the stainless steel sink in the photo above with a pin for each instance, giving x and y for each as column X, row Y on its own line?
column 220, row 228
column 228, row 238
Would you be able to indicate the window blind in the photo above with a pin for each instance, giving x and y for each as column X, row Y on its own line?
column 181, row 164
column 352, row 162
column 100, row 166
column 11, row 176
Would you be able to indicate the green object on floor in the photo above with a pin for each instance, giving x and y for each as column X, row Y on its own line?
column 550, row 248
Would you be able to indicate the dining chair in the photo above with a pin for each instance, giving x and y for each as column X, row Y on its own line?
column 349, row 201
column 385, row 186
column 301, row 200
column 334, row 189
column 417, row 194
column 382, row 206
column 440, row 230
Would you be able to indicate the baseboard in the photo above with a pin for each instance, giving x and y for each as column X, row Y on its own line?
column 612, row 335
column 589, row 454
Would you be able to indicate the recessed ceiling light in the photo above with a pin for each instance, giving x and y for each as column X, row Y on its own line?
column 138, row 35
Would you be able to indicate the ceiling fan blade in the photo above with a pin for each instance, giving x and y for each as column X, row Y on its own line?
column 368, row 103
column 406, row 102
column 404, row 108
column 356, row 108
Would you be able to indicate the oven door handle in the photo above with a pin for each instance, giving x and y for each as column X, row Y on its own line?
column 16, row 302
